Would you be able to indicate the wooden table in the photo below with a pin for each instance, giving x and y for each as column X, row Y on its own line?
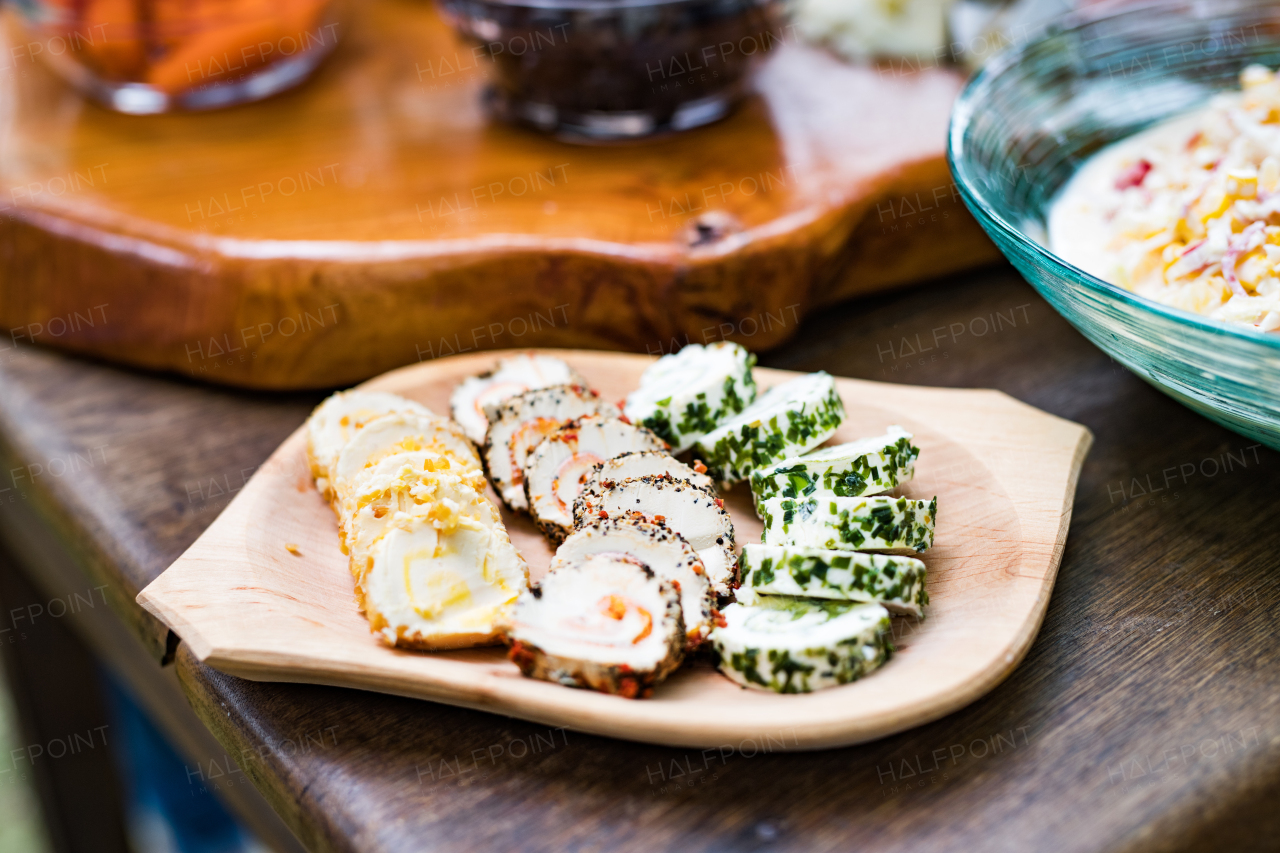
column 1146, row 717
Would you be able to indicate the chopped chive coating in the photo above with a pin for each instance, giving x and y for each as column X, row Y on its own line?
column 879, row 523
column 895, row 582
column 787, row 420
column 869, row 466
column 685, row 395
column 798, row 645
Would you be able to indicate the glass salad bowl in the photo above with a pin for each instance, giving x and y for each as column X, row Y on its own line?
column 1026, row 123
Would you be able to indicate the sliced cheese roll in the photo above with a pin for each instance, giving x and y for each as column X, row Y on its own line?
column 696, row 514
column 628, row 466
column 897, row 583
column 868, row 466
column 666, row 552
column 606, row 622
column 511, row 376
column 879, row 523
column 406, row 484
column 798, row 645
column 341, row 416
column 519, row 424
column 388, row 435
column 685, row 395
column 442, row 581
column 787, row 420
column 554, row 472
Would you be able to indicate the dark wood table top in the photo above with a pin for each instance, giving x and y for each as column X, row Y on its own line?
column 1146, row 716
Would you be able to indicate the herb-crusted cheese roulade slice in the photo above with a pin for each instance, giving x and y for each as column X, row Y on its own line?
column 442, row 581
column 395, row 433
column 555, row 471
column 519, row 424
column 879, row 523
column 629, row 466
column 338, row 418
column 784, row 421
column 897, row 583
column 685, row 395
column 868, row 466
column 798, row 645
column 607, row 623
column 511, row 376
column 694, row 513
column 666, row 552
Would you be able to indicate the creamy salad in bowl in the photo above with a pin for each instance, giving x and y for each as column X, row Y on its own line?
column 1187, row 213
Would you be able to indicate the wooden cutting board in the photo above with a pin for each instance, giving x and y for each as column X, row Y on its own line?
column 1004, row 474
column 375, row 217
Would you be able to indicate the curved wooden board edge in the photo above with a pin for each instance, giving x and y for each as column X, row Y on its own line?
column 1037, row 456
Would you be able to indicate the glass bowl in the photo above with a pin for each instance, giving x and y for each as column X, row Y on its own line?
column 153, row 56
column 617, row 69
column 1028, row 120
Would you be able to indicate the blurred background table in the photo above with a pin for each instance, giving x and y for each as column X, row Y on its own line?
column 1143, row 719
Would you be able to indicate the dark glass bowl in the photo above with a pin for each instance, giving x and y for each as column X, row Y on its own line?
column 617, row 69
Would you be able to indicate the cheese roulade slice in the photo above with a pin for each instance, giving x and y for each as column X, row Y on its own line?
column 520, row 423
column 395, row 433
column 554, row 472
column 878, row 523
column 798, row 645
column 511, row 376
column 666, row 552
column 787, row 420
column 897, row 583
column 606, row 622
column 685, row 395
column 868, row 466
column 406, row 484
column 441, row 581
column 333, row 423
column 694, row 513
column 628, row 466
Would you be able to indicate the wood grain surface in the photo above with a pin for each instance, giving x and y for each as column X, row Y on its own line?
column 375, row 217
column 1003, row 473
column 1142, row 719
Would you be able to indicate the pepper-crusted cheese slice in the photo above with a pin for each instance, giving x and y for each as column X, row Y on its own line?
column 878, row 523
column 798, row 645
column 897, row 583
column 515, row 375
column 663, row 550
column 520, row 423
column 606, row 622
column 787, row 420
column 556, row 470
column 868, row 466
column 685, row 395
column 694, row 513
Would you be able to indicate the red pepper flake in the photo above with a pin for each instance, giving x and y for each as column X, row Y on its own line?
column 720, row 502
column 699, row 467
column 622, row 416
column 661, row 519
column 604, row 514
column 1134, row 175
column 719, row 619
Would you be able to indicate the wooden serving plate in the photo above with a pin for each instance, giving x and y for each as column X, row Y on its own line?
column 1004, row 473
column 375, row 216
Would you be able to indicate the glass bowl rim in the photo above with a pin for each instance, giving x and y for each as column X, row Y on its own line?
column 961, row 115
